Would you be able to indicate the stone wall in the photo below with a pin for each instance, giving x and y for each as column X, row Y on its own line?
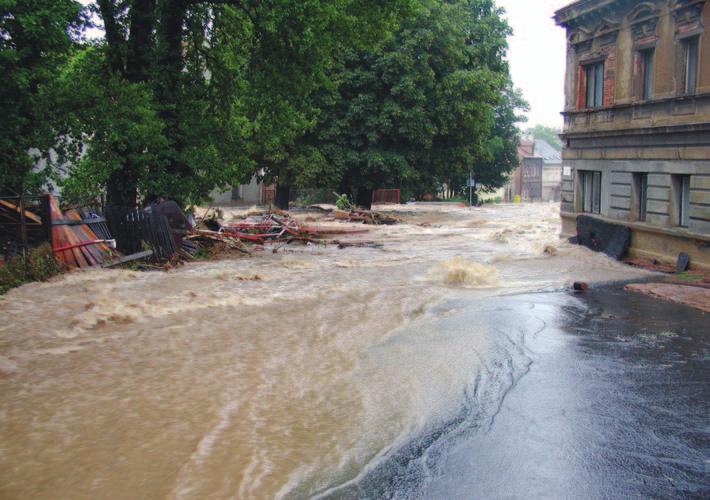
column 619, row 197
column 551, row 179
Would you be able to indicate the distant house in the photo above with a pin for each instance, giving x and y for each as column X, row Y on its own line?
column 551, row 172
column 539, row 176
column 514, row 188
column 254, row 193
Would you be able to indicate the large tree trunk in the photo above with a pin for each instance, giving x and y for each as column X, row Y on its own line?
column 140, row 48
column 122, row 188
column 345, row 188
column 282, row 196
column 170, row 53
column 168, row 88
column 114, row 37
column 364, row 197
column 122, row 185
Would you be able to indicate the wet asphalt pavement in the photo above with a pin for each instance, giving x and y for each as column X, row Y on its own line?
column 605, row 394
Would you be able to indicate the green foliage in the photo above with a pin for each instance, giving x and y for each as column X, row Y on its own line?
column 501, row 150
column 181, row 97
column 343, row 202
column 547, row 134
column 35, row 36
column 427, row 106
column 689, row 276
column 39, row 265
column 118, row 120
column 157, row 103
column 294, row 75
column 312, row 196
column 202, row 253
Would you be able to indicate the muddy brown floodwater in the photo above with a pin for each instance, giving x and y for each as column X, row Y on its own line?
column 198, row 384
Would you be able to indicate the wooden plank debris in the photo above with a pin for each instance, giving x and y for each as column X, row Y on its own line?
column 29, row 215
column 75, row 245
column 129, row 258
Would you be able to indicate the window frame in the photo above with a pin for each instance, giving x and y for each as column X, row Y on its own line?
column 691, row 62
column 681, row 199
column 641, row 195
column 591, row 191
column 594, row 84
column 646, row 62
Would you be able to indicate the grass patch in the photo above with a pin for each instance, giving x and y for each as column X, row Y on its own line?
column 38, row 264
column 688, row 276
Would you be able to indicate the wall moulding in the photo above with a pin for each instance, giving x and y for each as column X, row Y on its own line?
column 588, row 37
column 687, row 15
column 645, row 30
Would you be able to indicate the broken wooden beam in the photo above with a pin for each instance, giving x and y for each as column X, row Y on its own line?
column 129, row 258
column 26, row 213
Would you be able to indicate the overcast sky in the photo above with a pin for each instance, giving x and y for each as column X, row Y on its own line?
column 537, row 57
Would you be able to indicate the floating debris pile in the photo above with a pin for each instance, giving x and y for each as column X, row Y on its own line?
column 270, row 227
column 365, row 216
column 162, row 236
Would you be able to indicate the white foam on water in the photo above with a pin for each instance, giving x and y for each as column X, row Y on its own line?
column 461, row 272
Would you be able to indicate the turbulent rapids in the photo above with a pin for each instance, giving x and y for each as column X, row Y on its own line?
column 204, row 383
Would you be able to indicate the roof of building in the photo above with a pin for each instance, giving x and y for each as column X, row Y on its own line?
column 525, row 148
column 548, row 154
column 539, row 148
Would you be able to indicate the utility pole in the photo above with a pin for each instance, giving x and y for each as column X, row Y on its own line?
column 471, row 184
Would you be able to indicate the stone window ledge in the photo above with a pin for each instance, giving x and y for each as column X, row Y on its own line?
column 639, row 104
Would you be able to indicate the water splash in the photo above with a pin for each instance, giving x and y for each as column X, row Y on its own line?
column 465, row 273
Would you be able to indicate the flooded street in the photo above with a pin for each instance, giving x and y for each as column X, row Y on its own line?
column 436, row 366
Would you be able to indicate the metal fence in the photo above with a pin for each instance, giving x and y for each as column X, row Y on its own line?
column 386, row 196
column 26, row 223
column 134, row 228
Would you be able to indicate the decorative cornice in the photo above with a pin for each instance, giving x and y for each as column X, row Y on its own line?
column 591, row 24
column 687, row 14
column 606, row 26
column 643, row 20
column 643, row 11
column 644, row 29
column 579, row 9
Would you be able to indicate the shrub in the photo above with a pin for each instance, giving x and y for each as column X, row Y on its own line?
column 38, row 264
column 343, row 202
column 308, row 197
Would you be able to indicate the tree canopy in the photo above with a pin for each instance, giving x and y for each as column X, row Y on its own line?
column 213, row 88
column 419, row 111
column 424, row 108
column 182, row 96
column 35, row 38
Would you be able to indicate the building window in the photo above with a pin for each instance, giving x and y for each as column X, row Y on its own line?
column 591, row 184
column 690, row 64
column 646, row 70
column 681, row 199
column 594, row 78
column 641, row 191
